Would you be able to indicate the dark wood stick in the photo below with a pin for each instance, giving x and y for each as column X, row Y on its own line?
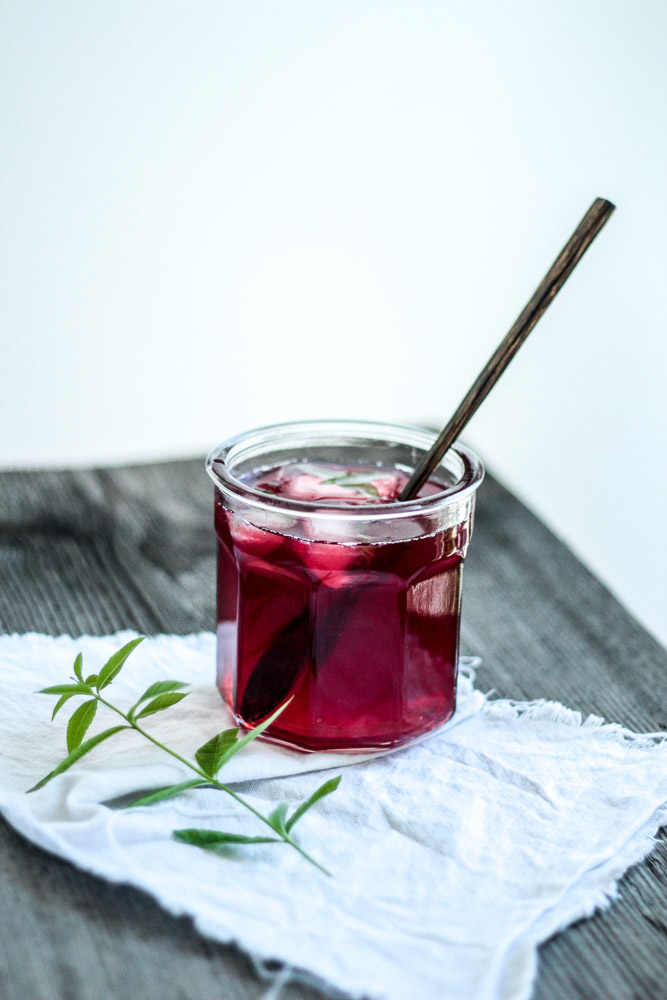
column 577, row 245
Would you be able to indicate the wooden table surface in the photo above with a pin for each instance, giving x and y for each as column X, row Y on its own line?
column 95, row 552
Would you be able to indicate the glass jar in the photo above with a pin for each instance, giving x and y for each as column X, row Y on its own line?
column 349, row 613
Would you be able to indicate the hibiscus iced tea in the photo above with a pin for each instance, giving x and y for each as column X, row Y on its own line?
column 333, row 596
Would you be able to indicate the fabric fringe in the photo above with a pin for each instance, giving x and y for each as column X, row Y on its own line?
column 541, row 710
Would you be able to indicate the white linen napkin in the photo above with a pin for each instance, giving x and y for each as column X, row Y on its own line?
column 452, row 859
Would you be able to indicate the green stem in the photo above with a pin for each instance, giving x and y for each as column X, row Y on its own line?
column 212, row 781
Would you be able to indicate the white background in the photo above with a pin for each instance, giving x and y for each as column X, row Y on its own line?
column 222, row 214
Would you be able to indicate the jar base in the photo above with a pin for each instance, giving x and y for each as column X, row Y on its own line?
column 377, row 746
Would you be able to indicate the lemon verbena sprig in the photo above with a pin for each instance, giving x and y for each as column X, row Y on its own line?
column 209, row 758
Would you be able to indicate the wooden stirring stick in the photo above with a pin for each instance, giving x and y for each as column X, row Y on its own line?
column 563, row 266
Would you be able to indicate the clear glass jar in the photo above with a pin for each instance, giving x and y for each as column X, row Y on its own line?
column 350, row 612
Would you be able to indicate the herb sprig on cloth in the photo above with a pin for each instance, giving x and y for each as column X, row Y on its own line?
column 210, row 758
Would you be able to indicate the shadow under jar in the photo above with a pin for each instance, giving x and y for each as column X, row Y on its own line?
column 348, row 606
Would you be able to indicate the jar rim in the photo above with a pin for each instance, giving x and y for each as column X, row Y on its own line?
column 469, row 474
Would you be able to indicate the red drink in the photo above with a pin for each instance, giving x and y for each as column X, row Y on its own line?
column 333, row 599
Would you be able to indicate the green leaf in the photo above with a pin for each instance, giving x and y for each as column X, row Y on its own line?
column 252, row 735
column 168, row 793
column 67, row 689
column 160, row 703
column 79, row 723
column 277, row 817
column 115, row 663
column 59, row 704
column 326, row 789
column 161, row 687
column 357, row 481
column 214, row 838
column 209, row 756
column 91, row 679
column 77, row 755
column 77, row 666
